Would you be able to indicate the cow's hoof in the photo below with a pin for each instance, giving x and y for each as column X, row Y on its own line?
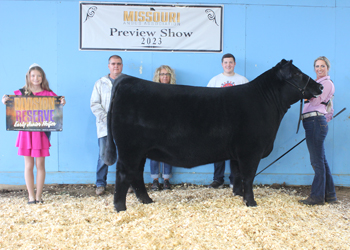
column 146, row 200
column 119, row 210
column 238, row 194
column 119, row 207
column 251, row 203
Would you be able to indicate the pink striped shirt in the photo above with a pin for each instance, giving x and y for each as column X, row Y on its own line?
column 315, row 104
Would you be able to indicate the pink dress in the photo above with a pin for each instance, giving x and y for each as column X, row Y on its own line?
column 34, row 144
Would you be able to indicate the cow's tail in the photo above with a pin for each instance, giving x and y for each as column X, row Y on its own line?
column 110, row 155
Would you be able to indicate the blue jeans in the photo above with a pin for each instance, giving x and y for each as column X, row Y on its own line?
column 219, row 172
column 155, row 170
column 102, row 168
column 316, row 129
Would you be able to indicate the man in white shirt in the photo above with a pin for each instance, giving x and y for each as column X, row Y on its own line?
column 99, row 104
column 226, row 79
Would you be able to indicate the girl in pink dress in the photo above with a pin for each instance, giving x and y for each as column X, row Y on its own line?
column 34, row 145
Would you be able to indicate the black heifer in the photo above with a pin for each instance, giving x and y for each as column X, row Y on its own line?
column 188, row 126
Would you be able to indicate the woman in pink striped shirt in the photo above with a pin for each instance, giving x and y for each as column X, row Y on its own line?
column 317, row 112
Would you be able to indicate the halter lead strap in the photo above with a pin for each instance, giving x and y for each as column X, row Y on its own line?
column 301, row 110
column 302, row 91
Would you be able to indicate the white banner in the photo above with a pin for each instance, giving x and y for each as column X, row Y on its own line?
column 150, row 27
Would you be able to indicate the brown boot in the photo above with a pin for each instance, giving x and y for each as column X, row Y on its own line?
column 100, row 190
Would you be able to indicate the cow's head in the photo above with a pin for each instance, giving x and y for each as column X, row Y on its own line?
column 293, row 76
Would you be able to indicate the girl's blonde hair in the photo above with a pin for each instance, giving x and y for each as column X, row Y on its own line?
column 169, row 70
column 44, row 84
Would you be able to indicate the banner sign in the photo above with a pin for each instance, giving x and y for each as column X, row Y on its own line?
column 150, row 27
column 37, row 113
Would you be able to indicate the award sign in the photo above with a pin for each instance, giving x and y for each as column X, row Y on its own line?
column 34, row 113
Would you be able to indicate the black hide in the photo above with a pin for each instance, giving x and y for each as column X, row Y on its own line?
column 188, row 126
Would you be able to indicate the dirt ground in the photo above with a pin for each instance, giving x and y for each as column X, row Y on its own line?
column 86, row 190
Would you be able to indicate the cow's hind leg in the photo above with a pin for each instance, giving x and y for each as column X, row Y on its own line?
column 129, row 174
column 138, row 184
column 237, row 183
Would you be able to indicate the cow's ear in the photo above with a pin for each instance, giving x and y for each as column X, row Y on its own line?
column 284, row 72
column 289, row 63
column 283, row 62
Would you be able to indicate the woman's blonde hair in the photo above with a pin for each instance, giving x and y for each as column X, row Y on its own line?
column 325, row 59
column 44, row 84
column 169, row 70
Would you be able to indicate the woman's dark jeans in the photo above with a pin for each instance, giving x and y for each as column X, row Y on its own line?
column 316, row 129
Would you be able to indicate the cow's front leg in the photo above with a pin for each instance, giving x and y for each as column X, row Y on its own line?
column 120, row 190
column 237, row 182
column 140, row 190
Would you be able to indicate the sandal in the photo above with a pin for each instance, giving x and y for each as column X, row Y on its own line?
column 40, row 202
column 32, row 202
